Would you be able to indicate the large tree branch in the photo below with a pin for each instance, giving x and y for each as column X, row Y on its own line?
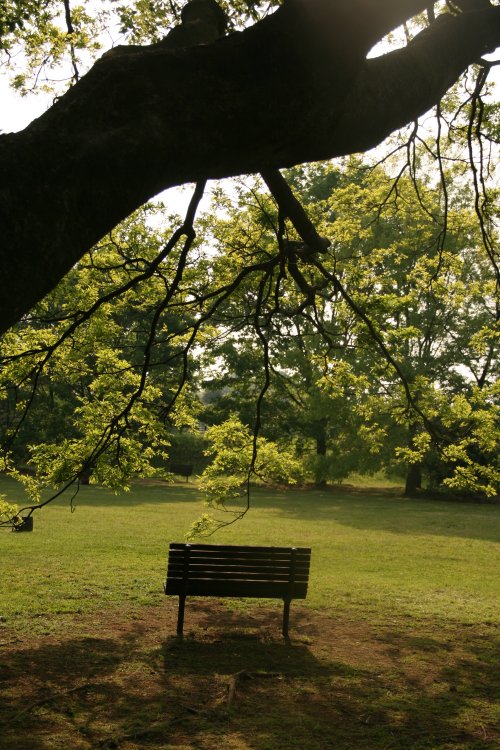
column 395, row 89
column 370, row 20
column 144, row 119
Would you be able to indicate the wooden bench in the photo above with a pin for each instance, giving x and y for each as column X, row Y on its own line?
column 236, row 571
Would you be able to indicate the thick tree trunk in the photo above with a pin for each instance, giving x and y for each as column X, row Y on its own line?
column 321, row 448
column 413, row 480
column 294, row 88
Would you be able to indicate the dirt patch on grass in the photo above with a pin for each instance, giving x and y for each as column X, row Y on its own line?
column 122, row 680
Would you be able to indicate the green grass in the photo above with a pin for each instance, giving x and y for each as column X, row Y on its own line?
column 373, row 556
column 395, row 647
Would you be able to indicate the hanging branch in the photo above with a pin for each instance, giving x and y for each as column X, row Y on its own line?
column 267, row 376
column 114, row 430
column 317, row 244
column 80, row 317
column 262, row 295
column 481, row 198
column 71, row 34
column 441, row 240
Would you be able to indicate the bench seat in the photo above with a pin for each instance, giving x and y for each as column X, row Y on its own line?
column 237, row 571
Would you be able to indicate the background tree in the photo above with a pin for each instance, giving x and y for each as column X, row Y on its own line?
column 429, row 296
column 296, row 343
column 428, row 289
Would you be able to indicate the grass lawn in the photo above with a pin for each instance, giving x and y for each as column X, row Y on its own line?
column 396, row 646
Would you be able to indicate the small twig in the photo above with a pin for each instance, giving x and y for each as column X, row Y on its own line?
column 234, row 681
column 48, row 699
column 239, row 677
column 192, row 710
column 71, row 35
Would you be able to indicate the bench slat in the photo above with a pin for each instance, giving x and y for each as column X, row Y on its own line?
column 208, row 576
column 236, row 555
column 263, row 567
column 238, row 575
column 228, row 548
column 238, row 589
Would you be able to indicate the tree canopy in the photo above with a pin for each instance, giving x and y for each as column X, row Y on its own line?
column 364, row 294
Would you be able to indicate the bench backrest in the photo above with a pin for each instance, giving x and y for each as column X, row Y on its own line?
column 239, row 571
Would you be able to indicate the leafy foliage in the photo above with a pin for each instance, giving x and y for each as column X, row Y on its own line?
column 7, row 510
column 82, row 360
column 372, row 345
column 237, row 457
column 59, row 40
column 381, row 389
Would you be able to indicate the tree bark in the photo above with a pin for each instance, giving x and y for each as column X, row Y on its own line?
column 320, row 480
column 294, row 88
column 413, row 480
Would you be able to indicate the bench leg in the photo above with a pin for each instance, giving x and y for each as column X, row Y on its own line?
column 180, row 615
column 286, row 617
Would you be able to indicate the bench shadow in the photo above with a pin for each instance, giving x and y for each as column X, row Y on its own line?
column 288, row 695
column 285, row 695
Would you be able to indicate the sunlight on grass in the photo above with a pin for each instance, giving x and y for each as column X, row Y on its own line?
column 374, row 557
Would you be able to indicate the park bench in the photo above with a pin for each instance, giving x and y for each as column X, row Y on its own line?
column 237, row 571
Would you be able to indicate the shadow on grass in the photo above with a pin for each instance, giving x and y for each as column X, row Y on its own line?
column 395, row 514
column 232, row 683
column 300, row 697
column 45, row 687
column 361, row 510
column 146, row 492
